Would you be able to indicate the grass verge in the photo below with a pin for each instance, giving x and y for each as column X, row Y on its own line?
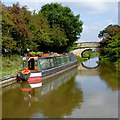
column 80, row 59
column 10, row 64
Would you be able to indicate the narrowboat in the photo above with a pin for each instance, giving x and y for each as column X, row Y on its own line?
column 36, row 68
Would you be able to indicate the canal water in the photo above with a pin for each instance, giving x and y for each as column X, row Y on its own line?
column 78, row 93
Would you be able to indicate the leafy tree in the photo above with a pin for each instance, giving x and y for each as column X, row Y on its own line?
column 110, row 44
column 59, row 39
column 41, row 32
column 23, row 29
column 16, row 33
column 45, row 38
column 56, row 14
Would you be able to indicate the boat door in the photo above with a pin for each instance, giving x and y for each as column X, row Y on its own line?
column 31, row 64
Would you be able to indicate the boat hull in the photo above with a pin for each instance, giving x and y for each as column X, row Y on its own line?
column 23, row 77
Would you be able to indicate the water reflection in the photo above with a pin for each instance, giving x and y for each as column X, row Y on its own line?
column 100, row 91
column 109, row 73
column 55, row 99
column 91, row 63
column 87, row 93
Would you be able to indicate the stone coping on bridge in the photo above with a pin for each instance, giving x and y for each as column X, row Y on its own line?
column 88, row 44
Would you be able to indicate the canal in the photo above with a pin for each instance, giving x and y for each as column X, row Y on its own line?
column 78, row 93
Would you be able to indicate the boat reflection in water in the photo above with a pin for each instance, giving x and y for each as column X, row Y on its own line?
column 56, row 98
column 48, row 85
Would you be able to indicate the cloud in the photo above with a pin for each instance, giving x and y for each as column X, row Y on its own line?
column 95, row 7
column 91, row 31
column 32, row 10
column 61, row 0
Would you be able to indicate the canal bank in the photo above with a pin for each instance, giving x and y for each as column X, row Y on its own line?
column 10, row 65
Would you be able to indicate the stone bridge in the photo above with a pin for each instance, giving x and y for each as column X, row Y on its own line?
column 84, row 46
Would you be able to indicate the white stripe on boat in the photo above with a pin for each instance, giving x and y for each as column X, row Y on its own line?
column 36, row 85
column 35, row 74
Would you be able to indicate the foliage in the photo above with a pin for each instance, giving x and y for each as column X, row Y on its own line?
column 16, row 33
column 110, row 44
column 35, row 53
column 56, row 14
column 72, row 47
column 32, row 53
column 39, row 52
column 80, row 59
column 23, row 29
column 11, row 65
column 90, row 54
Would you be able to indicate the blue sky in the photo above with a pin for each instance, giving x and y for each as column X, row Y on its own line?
column 96, row 15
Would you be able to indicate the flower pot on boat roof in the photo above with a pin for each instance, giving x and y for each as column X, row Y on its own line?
column 32, row 53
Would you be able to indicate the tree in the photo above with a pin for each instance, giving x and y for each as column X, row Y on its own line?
column 40, row 30
column 110, row 44
column 59, row 39
column 16, row 34
column 56, row 14
column 23, row 29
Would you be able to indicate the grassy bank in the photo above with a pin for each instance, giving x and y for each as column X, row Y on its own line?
column 80, row 59
column 10, row 64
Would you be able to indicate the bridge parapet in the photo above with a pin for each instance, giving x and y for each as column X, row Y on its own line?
column 88, row 44
column 79, row 51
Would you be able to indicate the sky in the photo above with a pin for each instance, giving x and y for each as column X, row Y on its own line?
column 95, row 14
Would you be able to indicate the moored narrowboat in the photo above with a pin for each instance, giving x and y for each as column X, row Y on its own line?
column 36, row 68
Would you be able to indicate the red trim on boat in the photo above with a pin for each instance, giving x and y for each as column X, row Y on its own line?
column 34, row 79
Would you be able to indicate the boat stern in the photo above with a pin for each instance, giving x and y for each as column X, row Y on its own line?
column 23, row 75
column 35, row 79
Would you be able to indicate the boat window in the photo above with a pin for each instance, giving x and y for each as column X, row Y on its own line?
column 59, row 62
column 62, row 60
column 52, row 62
column 44, row 63
column 67, row 59
column 70, row 59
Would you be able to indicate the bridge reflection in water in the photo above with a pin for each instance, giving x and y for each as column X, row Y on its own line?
column 91, row 63
column 55, row 99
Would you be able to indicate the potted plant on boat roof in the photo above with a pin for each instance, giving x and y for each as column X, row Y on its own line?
column 32, row 53
column 39, row 53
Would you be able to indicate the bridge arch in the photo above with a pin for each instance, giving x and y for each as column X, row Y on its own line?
column 91, row 67
column 90, row 49
column 85, row 46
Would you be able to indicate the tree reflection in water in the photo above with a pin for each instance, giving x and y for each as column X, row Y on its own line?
column 109, row 73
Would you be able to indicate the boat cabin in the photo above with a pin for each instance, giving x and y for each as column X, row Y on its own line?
column 42, row 63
